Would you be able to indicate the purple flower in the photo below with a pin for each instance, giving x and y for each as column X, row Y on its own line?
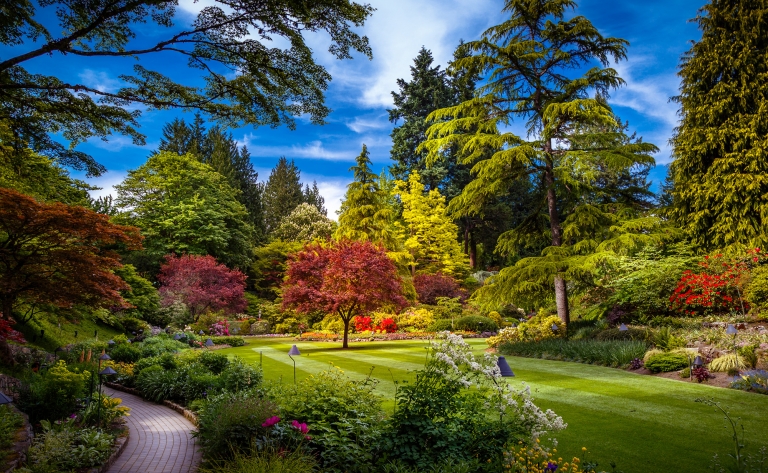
column 73, row 416
column 551, row 466
column 271, row 421
column 300, row 427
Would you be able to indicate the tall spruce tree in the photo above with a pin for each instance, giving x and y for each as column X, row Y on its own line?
column 312, row 197
column 282, row 193
column 529, row 61
column 365, row 214
column 720, row 166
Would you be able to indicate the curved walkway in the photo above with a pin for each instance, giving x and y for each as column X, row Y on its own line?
column 160, row 441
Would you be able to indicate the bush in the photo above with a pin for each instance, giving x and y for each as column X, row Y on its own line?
column 415, row 319
column 539, row 327
column 65, row 447
column 125, row 353
column 230, row 423
column 440, row 325
column 215, row 362
column 753, row 380
column 231, row 341
column 616, row 353
column 154, row 346
column 431, row 286
column 158, row 384
column 10, row 421
column 54, row 395
column 756, row 293
column 726, row 363
column 667, row 361
column 240, row 376
column 344, row 417
column 476, row 323
column 616, row 334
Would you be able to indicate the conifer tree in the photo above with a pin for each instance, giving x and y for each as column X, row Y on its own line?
column 312, row 197
column 364, row 213
column 282, row 193
column 529, row 61
column 430, row 235
column 720, row 166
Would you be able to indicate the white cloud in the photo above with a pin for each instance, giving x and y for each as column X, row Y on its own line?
column 645, row 92
column 118, row 142
column 99, row 80
column 106, row 182
column 362, row 124
column 332, row 190
column 310, row 150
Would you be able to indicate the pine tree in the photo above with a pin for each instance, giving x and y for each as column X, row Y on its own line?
column 528, row 61
column 177, row 137
column 720, row 166
column 364, row 213
column 312, row 197
column 282, row 193
column 430, row 235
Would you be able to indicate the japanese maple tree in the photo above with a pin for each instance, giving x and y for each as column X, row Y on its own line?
column 202, row 284
column 431, row 286
column 58, row 254
column 348, row 278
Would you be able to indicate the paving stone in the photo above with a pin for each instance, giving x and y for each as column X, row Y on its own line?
column 160, row 441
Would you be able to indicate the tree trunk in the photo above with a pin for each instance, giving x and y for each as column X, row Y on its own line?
column 561, row 293
column 6, row 306
column 346, row 321
column 472, row 251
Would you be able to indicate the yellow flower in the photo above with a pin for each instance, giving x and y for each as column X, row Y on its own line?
column 583, row 449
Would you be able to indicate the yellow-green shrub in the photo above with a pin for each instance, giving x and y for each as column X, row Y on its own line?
column 727, row 362
column 496, row 317
column 414, row 319
column 536, row 329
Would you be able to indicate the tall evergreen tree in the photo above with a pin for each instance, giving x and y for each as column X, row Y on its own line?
column 720, row 166
column 529, row 60
column 177, row 137
column 282, row 193
column 312, row 197
column 364, row 213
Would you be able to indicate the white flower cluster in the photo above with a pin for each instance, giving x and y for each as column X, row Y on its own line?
column 452, row 357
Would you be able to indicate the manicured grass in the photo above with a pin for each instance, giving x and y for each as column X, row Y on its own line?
column 643, row 423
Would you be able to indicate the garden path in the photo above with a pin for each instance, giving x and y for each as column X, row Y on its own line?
column 160, row 442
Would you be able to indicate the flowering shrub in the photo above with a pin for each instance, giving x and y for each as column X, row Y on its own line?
column 387, row 325
column 220, row 328
column 415, row 319
column 459, row 409
column 524, row 459
column 717, row 288
column 537, row 328
column 362, row 323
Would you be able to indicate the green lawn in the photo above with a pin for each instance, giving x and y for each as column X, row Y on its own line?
column 55, row 336
column 644, row 424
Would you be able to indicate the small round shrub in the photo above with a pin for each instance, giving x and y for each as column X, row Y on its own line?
column 725, row 363
column 126, row 353
column 240, row 376
column 666, row 361
column 440, row 325
column 476, row 323
column 215, row 362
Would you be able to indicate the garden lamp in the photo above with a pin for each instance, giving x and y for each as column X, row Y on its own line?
column 555, row 328
column 506, row 371
column 623, row 328
column 698, row 362
column 105, row 372
column 75, row 333
column 731, row 330
column 177, row 336
column 209, row 343
column 5, row 399
column 111, row 343
column 201, row 332
column 95, row 334
column 294, row 351
column 105, row 357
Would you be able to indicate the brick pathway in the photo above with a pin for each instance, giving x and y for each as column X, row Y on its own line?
column 160, row 441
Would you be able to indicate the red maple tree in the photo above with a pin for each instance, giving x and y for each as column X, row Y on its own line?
column 58, row 254
column 202, row 285
column 348, row 278
column 431, row 286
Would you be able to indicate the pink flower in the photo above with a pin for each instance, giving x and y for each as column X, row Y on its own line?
column 300, row 427
column 271, row 421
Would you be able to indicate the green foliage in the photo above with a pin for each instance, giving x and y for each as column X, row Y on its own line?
column 756, row 293
column 266, row 462
column 430, row 235
column 109, row 411
column 616, row 353
column 142, row 295
column 719, row 167
column 664, row 339
column 215, row 362
column 282, row 193
column 66, row 447
column 10, row 421
column 344, row 417
column 365, row 212
column 240, row 376
column 667, row 361
column 616, row 334
column 542, row 326
column 268, row 270
column 170, row 197
column 727, row 363
column 585, row 215
column 229, row 340
column 230, row 423
column 155, row 346
column 54, row 394
column 126, row 353
column 440, row 325
column 476, row 323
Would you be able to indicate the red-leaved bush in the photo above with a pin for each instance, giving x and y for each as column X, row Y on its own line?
column 8, row 333
column 363, row 323
column 387, row 325
column 348, row 278
column 431, row 286
column 202, row 285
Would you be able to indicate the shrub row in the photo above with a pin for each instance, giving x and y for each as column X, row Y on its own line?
column 615, row 353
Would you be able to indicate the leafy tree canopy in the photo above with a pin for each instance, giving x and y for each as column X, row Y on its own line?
column 305, row 224
column 720, row 166
column 273, row 85
column 141, row 294
column 269, row 265
column 348, row 278
column 57, row 254
column 184, row 206
column 201, row 284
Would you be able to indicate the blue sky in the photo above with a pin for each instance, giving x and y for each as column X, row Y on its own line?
column 658, row 32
